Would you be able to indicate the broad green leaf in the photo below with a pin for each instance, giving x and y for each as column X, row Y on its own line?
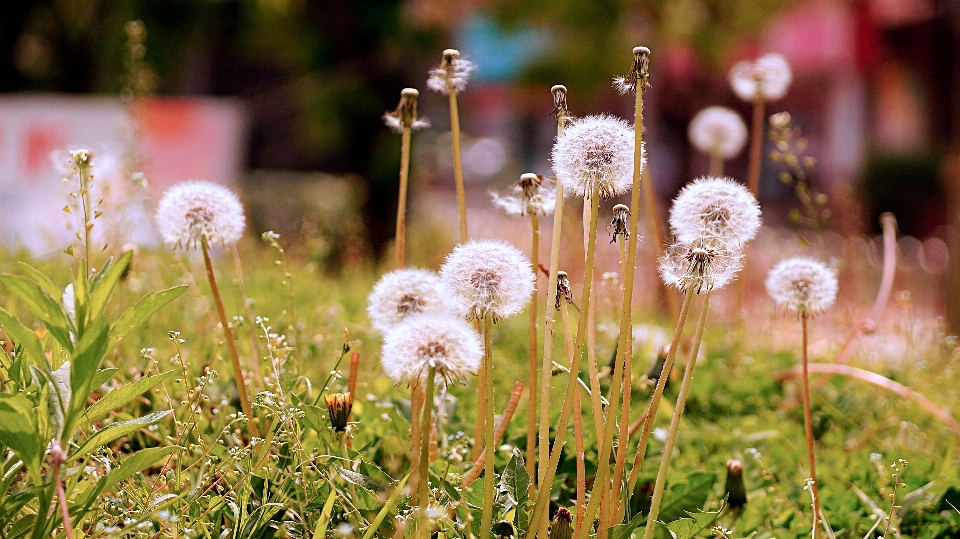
column 687, row 528
column 313, row 417
column 24, row 337
column 103, row 286
column 139, row 313
column 387, row 507
column 43, row 305
column 19, row 432
column 114, row 431
column 139, row 461
column 689, row 495
column 360, row 480
column 86, row 362
column 624, row 531
column 124, row 394
column 320, row 531
column 59, row 398
column 40, row 278
column 102, row 376
column 514, row 483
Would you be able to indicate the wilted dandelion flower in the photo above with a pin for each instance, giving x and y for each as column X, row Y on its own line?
column 702, row 264
column 488, row 276
column 769, row 78
column 718, row 130
column 718, row 207
column 197, row 209
column 405, row 114
column 452, row 75
column 595, row 152
column 802, row 285
column 405, row 292
column 530, row 196
column 441, row 341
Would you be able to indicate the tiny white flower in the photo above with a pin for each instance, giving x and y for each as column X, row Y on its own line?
column 718, row 130
column 802, row 285
column 769, row 78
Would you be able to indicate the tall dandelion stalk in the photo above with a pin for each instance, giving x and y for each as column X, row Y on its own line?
column 450, row 79
column 404, row 120
column 806, row 287
column 198, row 213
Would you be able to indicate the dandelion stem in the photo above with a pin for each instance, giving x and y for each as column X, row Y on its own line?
column 651, row 412
column 756, row 144
column 716, row 164
column 416, row 405
column 423, row 491
column 592, row 370
column 401, row 241
column 532, row 348
column 478, row 433
column 675, row 422
column 228, row 336
column 808, row 426
column 626, row 341
column 458, row 165
column 486, row 517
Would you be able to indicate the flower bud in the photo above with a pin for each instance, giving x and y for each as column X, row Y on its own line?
column 561, row 528
column 339, row 406
column 736, row 490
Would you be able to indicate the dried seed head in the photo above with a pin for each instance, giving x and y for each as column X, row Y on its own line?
column 703, row 264
column 405, row 292
column 452, row 75
column 719, row 131
column 621, row 214
column 532, row 195
column 441, row 341
column 193, row 210
column 339, row 406
column 405, row 115
column 595, row 152
column 715, row 207
column 639, row 73
column 736, row 490
column 563, row 289
column 802, row 285
column 560, row 109
column 768, row 78
column 488, row 276
column 561, row 528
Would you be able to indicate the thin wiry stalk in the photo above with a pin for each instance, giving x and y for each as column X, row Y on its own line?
column 577, row 426
column 651, row 412
column 486, row 516
column 808, row 428
column 228, row 336
column 458, row 165
column 675, row 422
column 624, row 435
column 532, row 349
column 401, row 241
column 592, row 369
column 423, row 490
column 543, row 494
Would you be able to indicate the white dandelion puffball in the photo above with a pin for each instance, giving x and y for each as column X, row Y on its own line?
column 197, row 209
column 595, row 152
column 488, row 276
column 452, row 75
column 442, row 341
column 802, row 285
column 711, row 206
column 403, row 293
column 769, row 78
column 718, row 130
column 703, row 264
column 532, row 195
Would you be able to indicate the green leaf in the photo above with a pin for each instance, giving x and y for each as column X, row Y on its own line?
column 124, row 394
column 624, row 531
column 387, row 507
column 40, row 278
column 86, row 362
column 687, row 528
column 104, row 284
column 43, row 305
column 360, row 480
column 139, row 313
column 114, row 431
column 19, row 431
column 24, row 337
column 512, row 489
column 689, row 495
column 313, row 417
column 139, row 461
column 102, row 376
column 320, row 531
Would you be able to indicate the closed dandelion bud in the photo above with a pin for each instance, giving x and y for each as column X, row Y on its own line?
column 405, row 292
column 405, row 115
column 719, row 131
column 703, row 264
column 488, row 277
column 530, row 197
column 504, row 529
column 621, row 214
column 443, row 342
column 195, row 210
column 802, row 285
column 736, row 490
column 715, row 207
column 638, row 73
column 561, row 527
column 452, row 75
column 768, row 78
column 339, row 406
column 563, row 289
column 595, row 152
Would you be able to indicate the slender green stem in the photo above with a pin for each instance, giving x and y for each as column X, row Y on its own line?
column 83, row 171
column 423, row 491
column 401, row 238
column 486, row 517
column 675, row 422
column 416, row 407
column 532, row 349
column 651, row 412
column 808, row 427
column 478, row 433
column 458, row 165
column 228, row 337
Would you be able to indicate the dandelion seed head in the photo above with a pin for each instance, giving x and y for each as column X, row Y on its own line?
column 802, row 285
column 718, row 130
column 452, row 74
column 488, row 276
column 595, row 152
column 406, row 292
column 530, row 196
column 197, row 209
column 769, row 77
column 442, row 341
column 405, row 115
column 702, row 264
column 711, row 206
